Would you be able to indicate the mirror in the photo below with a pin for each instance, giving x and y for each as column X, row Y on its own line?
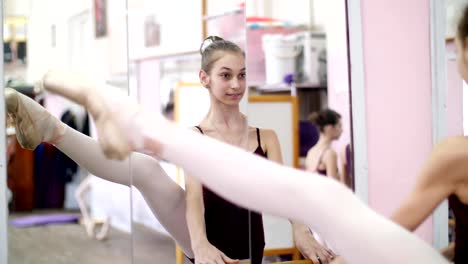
column 164, row 51
column 58, row 211
column 455, row 86
column 297, row 65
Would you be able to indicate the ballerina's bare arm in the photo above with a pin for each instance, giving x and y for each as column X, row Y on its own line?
column 341, row 218
column 445, row 169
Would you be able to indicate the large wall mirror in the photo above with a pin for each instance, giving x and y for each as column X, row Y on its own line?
column 450, row 87
column 59, row 211
column 298, row 81
column 164, row 51
column 292, row 72
column 295, row 70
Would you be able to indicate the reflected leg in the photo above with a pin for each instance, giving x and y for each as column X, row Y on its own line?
column 165, row 198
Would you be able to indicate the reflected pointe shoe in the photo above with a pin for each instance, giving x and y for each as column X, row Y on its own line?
column 33, row 124
column 102, row 234
column 89, row 227
column 118, row 117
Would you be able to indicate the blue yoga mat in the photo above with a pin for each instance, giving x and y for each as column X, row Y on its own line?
column 49, row 219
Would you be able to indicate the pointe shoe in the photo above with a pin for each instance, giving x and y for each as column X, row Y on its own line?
column 89, row 227
column 115, row 114
column 102, row 234
column 33, row 124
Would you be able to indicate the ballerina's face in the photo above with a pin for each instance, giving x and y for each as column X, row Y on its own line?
column 334, row 131
column 226, row 80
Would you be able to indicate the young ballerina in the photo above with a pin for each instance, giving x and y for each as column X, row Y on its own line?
column 358, row 233
column 223, row 74
column 321, row 158
column 445, row 174
column 216, row 225
column 166, row 199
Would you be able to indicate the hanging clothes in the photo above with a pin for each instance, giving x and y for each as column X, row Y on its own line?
column 49, row 188
column 67, row 167
column 53, row 169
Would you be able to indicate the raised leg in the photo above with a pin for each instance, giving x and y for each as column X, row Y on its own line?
column 357, row 233
column 165, row 198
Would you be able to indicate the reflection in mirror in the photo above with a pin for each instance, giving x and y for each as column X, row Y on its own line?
column 59, row 211
column 297, row 67
column 456, row 88
column 164, row 50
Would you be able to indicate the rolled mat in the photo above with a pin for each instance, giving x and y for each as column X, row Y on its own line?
column 48, row 219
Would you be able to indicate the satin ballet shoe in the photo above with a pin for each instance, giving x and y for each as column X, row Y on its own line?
column 118, row 117
column 33, row 123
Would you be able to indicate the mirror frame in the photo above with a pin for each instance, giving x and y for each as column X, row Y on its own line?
column 3, row 165
column 439, row 108
column 358, row 99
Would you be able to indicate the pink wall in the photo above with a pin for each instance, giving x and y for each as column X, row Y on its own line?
column 396, row 44
column 454, row 95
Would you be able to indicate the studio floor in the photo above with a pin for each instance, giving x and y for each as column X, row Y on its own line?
column 68, row 243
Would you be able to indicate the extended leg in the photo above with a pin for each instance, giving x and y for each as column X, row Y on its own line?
column 359, row 234
column 165, row 198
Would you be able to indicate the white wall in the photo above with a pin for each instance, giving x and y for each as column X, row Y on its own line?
column 276, row 116
column 77, row 49
column 42, row 53
column 180, row 28
column 17, row 7
column 103, row 57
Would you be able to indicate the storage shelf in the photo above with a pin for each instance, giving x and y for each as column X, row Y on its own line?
column 228, row 13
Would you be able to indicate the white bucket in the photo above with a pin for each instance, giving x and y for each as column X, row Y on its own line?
column 280, row 56
column 310, row 67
